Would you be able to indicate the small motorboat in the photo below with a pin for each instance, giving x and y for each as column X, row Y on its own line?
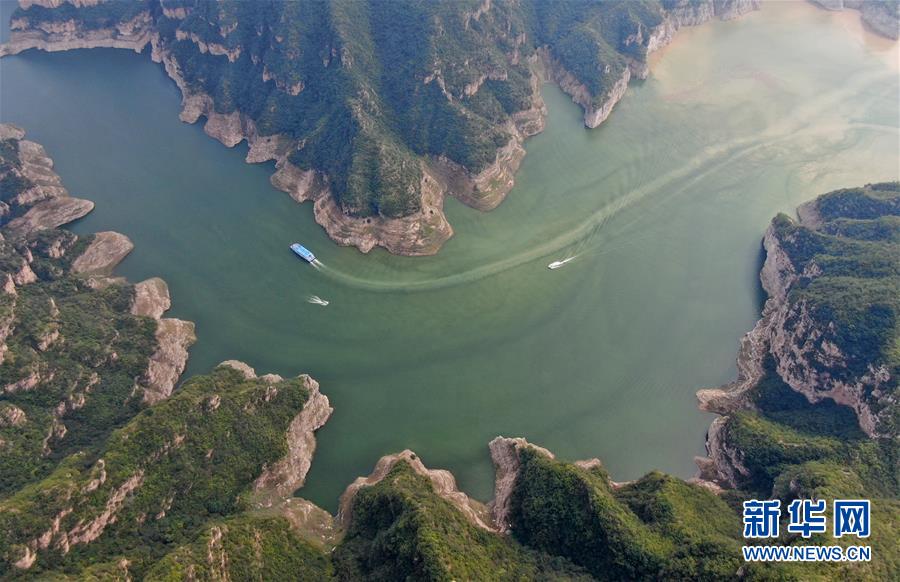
column 558, row 264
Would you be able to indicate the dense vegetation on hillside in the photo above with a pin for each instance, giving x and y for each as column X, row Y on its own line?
column 71, row 353
column 850, row 282
column 845, row 302
column 401, row 530
column 655, row 527
column 158, row 479
column 368, row 90
column 596, row 41
column 245, row 548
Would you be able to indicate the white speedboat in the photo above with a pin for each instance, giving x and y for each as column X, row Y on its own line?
column 558, row 264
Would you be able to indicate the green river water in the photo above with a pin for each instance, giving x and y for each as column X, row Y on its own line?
column 664, row 205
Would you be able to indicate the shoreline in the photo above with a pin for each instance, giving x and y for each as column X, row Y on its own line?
column 51, row 207
column 422, row 233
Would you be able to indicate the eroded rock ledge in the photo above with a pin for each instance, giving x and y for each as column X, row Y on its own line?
column 62, row 36
column 48, row 203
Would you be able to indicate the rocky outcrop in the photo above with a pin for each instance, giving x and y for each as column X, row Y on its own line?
column 151, row 298
column 311, row 521
column 43, row 201
column 61, row 538
column 442, row 482
column 173, row 338
column 594, row 114
column 106, row 250
column 46, row 203
column 812, row 365
column 57, row 3
column 505, row 456
column 279, row 480
column 723, row 465
column 37, row 168
column 50, row 214
column 11, row 415
column 421, row 233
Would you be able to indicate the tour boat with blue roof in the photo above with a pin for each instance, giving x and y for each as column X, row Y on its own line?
column 303, row 252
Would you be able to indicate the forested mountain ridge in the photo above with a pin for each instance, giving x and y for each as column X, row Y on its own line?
column 376, row 110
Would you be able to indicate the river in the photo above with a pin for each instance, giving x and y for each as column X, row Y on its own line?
column 664, row 207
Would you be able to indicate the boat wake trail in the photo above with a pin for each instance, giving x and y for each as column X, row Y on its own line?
column 804, row 121
column 316, row 300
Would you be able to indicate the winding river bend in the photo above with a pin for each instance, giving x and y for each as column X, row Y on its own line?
column 663, row 208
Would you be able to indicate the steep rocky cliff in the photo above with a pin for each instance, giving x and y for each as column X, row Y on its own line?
column 378, row 110
column 830, row 324
column 815, row 407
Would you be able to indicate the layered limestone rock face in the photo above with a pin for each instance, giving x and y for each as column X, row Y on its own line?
column 556, row 73
column 151, row 298
column 808, row 351
column 133, row 34
column 103, row 254
column 690, row 13
column 50, row 214
column 48, row 203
